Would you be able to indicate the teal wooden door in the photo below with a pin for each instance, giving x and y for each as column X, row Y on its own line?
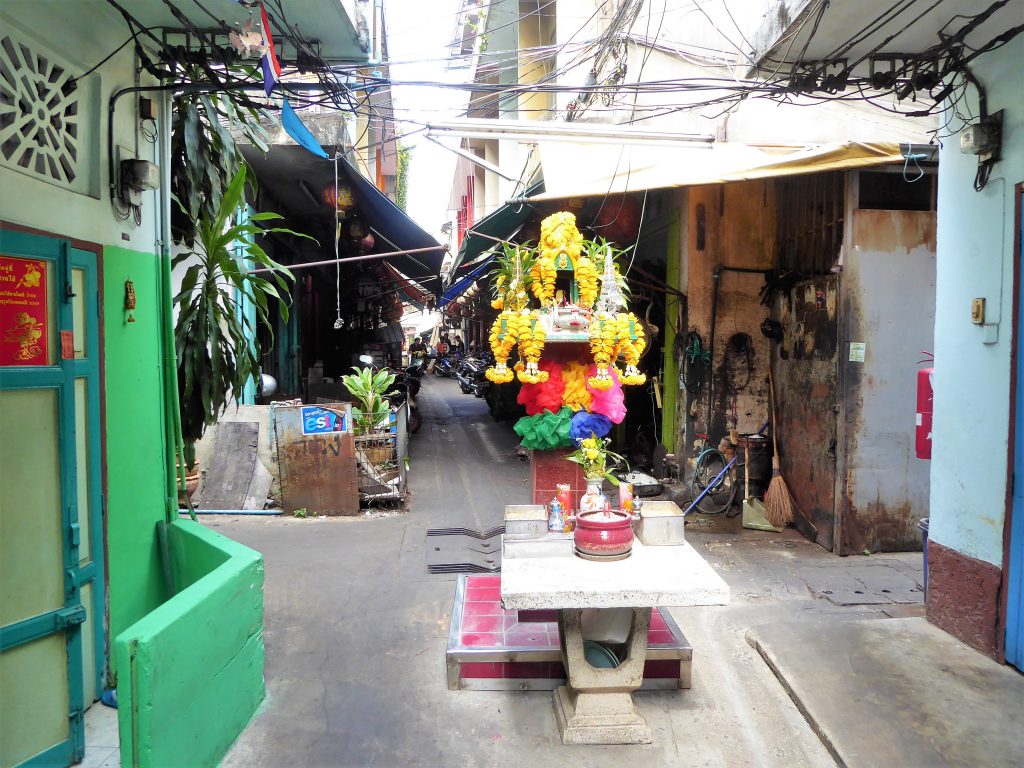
column 52, row 646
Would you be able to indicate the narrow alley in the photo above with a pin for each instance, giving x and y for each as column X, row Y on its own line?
column 511, row 382
column 356, row 631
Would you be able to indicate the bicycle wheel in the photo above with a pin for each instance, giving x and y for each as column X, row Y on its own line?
column 709, row 466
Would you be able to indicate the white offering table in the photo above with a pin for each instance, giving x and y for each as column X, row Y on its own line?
column 597, row 707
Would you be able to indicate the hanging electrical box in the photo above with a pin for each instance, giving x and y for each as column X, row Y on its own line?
column 138, row 176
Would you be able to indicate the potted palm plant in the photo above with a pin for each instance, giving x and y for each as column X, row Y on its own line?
column 216, row 345
column 370, row 417
column 369, row 388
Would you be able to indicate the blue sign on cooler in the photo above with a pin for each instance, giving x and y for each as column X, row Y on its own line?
column 320, row 421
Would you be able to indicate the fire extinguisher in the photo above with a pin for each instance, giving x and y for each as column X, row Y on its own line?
column 925, row 400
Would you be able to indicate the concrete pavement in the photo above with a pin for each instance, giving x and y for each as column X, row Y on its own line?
column 356, row 631
column 899, row 692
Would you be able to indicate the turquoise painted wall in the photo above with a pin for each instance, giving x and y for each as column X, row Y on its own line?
column 190, row 673
column 135, row 444
column 974, row 244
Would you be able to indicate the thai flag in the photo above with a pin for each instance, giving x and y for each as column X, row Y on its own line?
column 269, row 63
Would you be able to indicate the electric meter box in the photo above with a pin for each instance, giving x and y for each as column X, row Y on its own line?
column 977, row 139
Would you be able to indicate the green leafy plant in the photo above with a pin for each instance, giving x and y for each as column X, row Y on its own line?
column 402, row 177
column 369, row 388
column 596, row 249
column 216, row 345
column 204, row 157
column 301, row 512
column 512, row 274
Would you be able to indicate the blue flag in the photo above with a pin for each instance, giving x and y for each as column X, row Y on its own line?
column 295, row 128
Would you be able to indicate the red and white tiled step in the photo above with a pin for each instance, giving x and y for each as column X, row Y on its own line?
column 493, row 649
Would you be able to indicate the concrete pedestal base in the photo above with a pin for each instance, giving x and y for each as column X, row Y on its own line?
column 599, row 718
column 597, row 706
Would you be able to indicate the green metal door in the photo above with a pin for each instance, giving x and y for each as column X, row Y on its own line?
column 52, row 646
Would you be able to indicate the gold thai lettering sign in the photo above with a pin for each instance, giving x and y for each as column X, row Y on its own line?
column 24, row 326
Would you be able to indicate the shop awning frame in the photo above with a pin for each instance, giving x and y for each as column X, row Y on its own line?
column 575, row 170
column 295, row 178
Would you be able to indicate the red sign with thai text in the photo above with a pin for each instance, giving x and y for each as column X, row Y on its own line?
column 24, row 326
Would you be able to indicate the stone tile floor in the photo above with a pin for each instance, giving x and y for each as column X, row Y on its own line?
column 101, row 744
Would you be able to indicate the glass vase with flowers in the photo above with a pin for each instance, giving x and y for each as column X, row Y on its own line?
column 596, row 459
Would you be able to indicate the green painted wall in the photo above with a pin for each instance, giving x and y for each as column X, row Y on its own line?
column 190, row 674
column 134, row 425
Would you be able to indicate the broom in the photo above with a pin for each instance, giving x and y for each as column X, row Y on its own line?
column 778, row 502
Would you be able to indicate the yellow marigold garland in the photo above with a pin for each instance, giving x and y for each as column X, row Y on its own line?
column 558, row 234
column 603, row 335
column 631, row 343
column 586, row 281
column 502, row 339
column 499, row 300
column 544, row 274
column 531, row 335
column 611, row 335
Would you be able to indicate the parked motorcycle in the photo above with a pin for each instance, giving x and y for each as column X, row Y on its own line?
column 417, row 369
column 469, row 373
column 443, row 366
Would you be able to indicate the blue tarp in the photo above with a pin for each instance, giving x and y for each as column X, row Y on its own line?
column 462, row 284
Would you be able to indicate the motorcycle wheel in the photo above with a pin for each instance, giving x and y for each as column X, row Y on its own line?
column 438, row 372
column 415, row 421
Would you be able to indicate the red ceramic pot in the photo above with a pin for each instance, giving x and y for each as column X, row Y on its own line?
column 604, row 533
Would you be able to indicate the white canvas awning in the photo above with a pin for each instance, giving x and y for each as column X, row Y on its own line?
column 584, row 170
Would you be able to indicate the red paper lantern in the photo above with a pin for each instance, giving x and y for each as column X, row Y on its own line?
column 343, row 200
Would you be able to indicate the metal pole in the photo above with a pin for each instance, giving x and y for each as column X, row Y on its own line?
column 370, row 257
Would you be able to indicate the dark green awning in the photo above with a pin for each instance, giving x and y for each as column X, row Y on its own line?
column 502, row 223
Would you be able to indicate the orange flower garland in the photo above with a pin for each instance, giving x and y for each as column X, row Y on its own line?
column 526, row 273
